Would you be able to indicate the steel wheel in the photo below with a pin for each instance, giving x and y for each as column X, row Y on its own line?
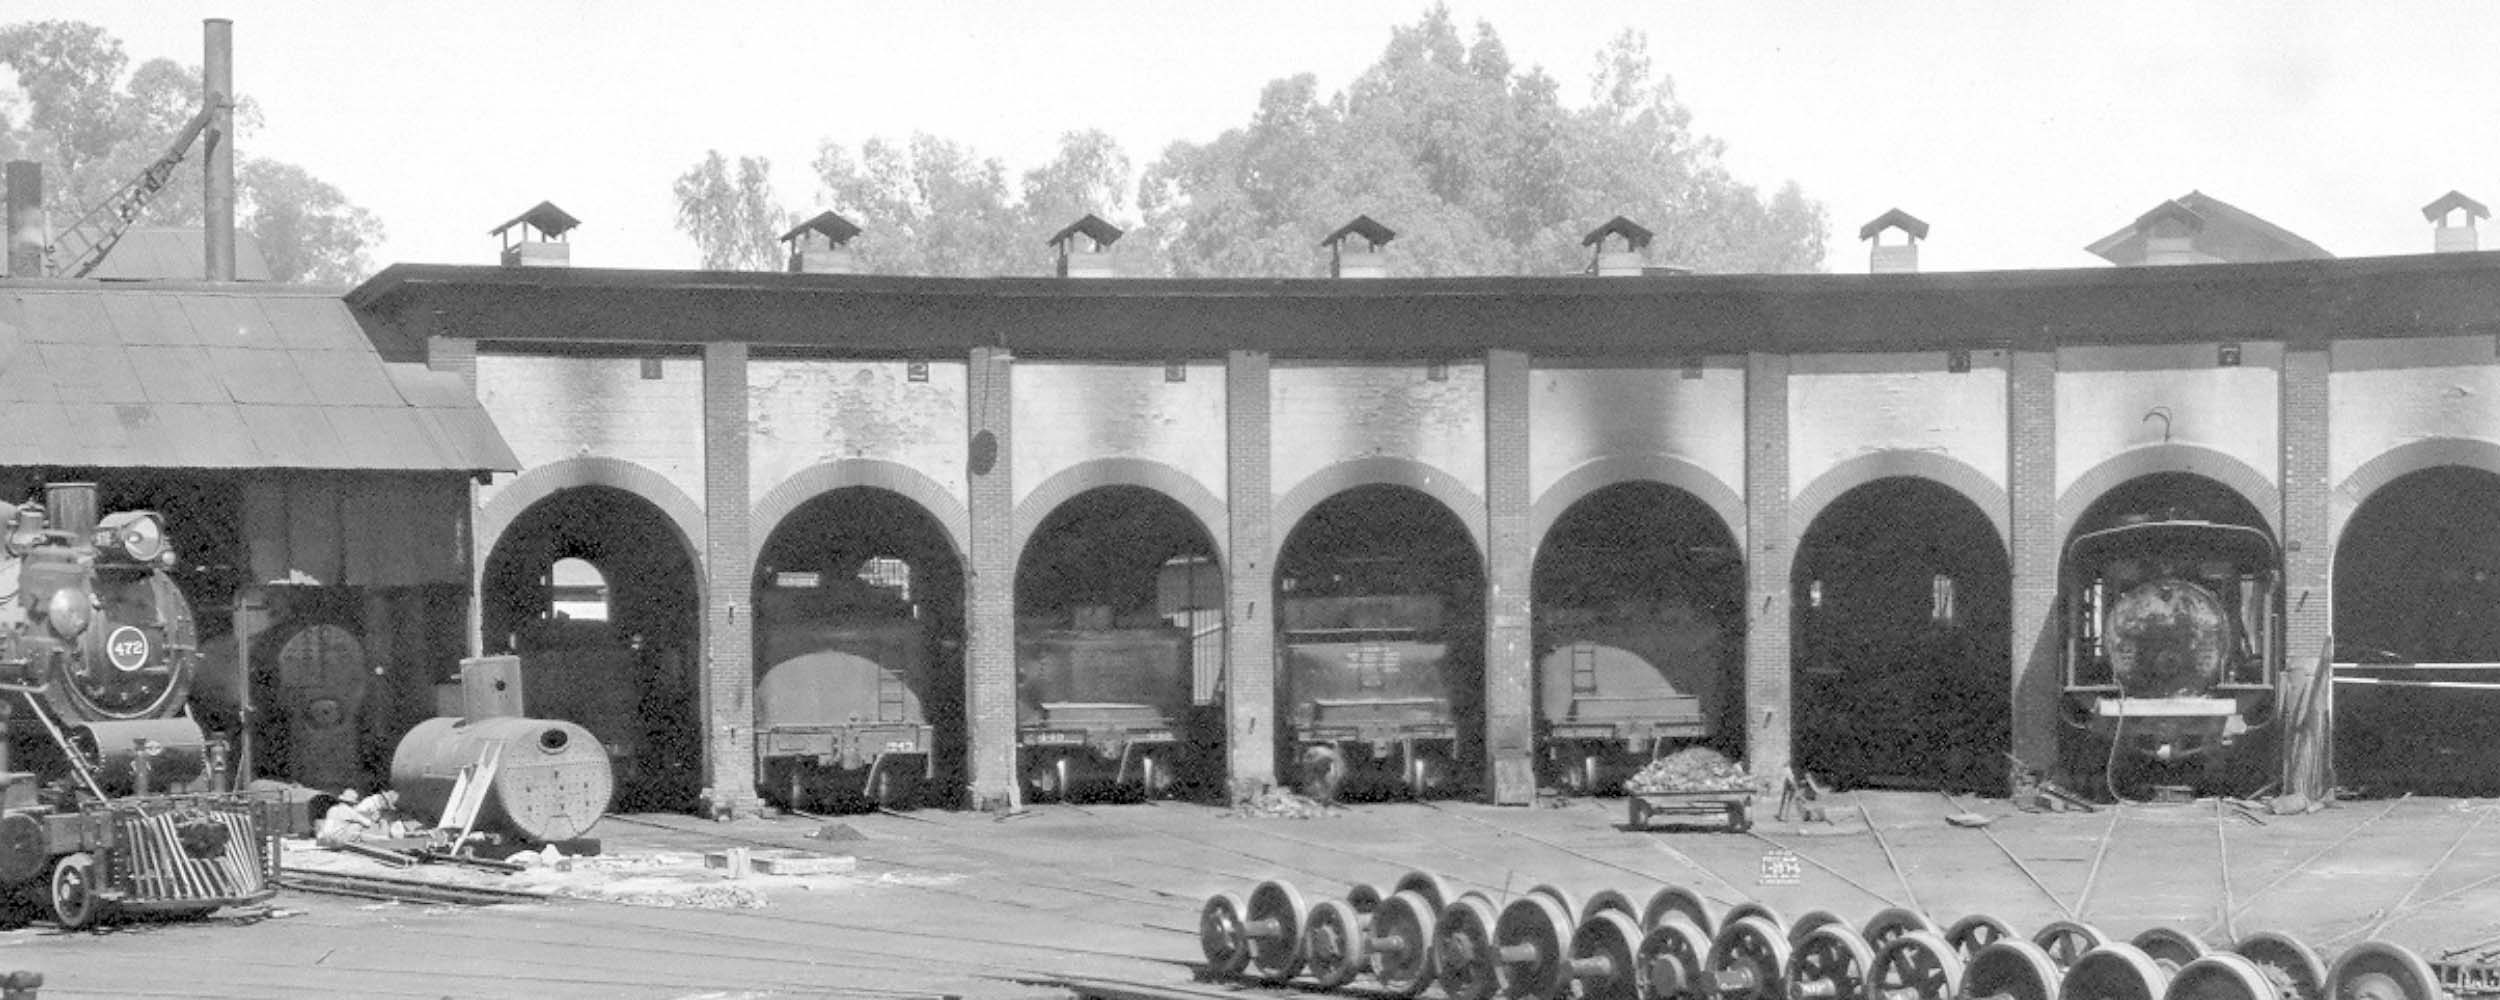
column 1679, row 900
column 1332, row 944
column 1054, row 779
column 1434, row 889
column 1222, row 937
column 74, row 902
column 1830, row 963
column 1670, row 960
column 1401, row 943
column 2116, row 971
column 1750, row 908
column 1746, row 959
column 2017, row 970
column 1426, row 775
column 2219, row 976
column 2291, row 966
column 1976, row 931
column 1530, row 939
column 1605, row 958
column 2066, row 941
column 2377, row 970
column 1811, row 921
column 1570, row 906
column 1610, row 901
column 1462, row 950
column 1154, row 776
column 1277, row 955
column 1915, row 966
column 1364, row 897
column 1894, row 921
column 2170, row 947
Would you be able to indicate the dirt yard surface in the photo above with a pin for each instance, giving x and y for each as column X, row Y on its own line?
column 971, row 904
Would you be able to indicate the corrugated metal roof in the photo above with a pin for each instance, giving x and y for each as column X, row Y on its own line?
column 176, row 255
column 221, row 377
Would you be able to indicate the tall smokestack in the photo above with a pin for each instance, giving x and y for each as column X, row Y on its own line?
column 71, row 507
column 25, row 219
column 217, row 80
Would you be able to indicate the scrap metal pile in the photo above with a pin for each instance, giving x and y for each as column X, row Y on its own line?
column 1546, row 945
column 1692, row 769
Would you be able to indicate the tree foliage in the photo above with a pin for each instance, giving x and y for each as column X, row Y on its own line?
column 1478, row 165
column 94, row 129
column 734, row 221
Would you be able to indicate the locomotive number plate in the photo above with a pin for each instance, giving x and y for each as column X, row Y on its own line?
column 1053, row 739
column 902, row 746
column 1151, row 736
column 128, row 648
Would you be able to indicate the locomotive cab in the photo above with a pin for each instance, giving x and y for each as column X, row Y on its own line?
column 2172, row 638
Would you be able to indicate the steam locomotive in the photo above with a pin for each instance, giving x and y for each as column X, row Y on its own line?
column 111, row 797
column 2173, row 639
column 841, row 694
column 1375, row 679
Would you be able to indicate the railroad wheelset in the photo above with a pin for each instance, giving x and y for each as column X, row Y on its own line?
column 2377, row 970
column 1264, row 931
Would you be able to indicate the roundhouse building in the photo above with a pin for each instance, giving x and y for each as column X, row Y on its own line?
column 1870, row 479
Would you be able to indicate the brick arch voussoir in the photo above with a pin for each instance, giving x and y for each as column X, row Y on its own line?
column 1590, row 477
column 2145, row 460
column 543, row 481
column 1378, row 470
column 787, row 496
column 2403, row 460
column 1171, row 483
column 1958, row 476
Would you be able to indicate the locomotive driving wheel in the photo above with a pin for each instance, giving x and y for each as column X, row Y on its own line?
column 74, row 901
column 2113, row 972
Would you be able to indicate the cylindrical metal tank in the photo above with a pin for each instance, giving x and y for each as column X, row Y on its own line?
column 552, row 783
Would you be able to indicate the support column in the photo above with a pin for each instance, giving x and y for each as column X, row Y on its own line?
column 1509, row 725
column 458, row 355
column 1249, row 579
column 1768, row 564
column 728, row 688
column 2308, row 551
column 990, row 586
column 2031, row 486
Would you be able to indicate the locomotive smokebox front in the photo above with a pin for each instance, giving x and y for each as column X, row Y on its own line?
column 2168, row 638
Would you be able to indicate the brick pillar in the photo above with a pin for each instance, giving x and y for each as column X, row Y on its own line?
column 2308, row 552
column 1509, row 727
column 2031, row 464
column 1768, row 564
column 728, row 689
column 990, row 586
column 458, row 355
column 1249, row 580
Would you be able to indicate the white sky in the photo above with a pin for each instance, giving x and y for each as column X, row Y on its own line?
column 2019, row 131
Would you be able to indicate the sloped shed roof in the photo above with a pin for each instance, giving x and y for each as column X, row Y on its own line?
column 202, row 376
column 176, row 255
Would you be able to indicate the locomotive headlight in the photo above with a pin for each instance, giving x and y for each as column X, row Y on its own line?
column 67, row 613
column 136, row 536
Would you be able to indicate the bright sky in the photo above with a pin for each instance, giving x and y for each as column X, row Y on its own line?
column 2019, row 131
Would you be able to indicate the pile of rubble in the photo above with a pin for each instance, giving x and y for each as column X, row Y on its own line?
column 1270, row 802
column 1692, row 769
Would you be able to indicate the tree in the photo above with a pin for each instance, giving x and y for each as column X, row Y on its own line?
column 93, row 130
column 736, row 223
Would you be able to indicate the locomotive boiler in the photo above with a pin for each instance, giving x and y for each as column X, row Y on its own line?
column 841, row 694
column 2173, row 638
column 1620, row 685
column 1372, row 687
column 111, row 797
column 1102, row 702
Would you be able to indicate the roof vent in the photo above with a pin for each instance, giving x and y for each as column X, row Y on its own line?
column 1631, row 260
column 822, row 245
column 1893, row 258
column 2458, row 237
column 1093, row 260
column 540, row 242
column 1372, row 261
column 2170, row 234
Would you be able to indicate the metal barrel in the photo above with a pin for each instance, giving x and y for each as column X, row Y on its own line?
column 552, row 783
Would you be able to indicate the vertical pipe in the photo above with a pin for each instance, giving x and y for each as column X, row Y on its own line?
column 25, row 219
column 217, row 82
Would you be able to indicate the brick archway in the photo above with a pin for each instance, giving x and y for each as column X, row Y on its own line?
column 2096, row 482
column 2400, row 461
column 541, row 482
column 1163, row 479
column 786, row 497
column 1666, row 470
column 1957, row 476
column 1307, row 495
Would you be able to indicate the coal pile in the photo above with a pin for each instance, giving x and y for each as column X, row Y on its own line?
column 1692, row 769
column 1277, row 803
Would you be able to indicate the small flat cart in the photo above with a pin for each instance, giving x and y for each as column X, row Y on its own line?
column 1735, row 805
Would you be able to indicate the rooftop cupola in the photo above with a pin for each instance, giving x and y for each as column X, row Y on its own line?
column 1618, row 249
column 822, row 245
column 1370, row 260
column 1893, row 258
column 2169, row 232
column 540, row 240
column 2454, row 234
column 1084, row 248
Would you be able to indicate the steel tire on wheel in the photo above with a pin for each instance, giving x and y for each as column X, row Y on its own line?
column 1221, row 936
column 1814, row 920
column 1829, row 963
column 1434, row 889
column 1612, row 939
column 1977, row 931
column 1333, row 946
column 1404, row 968
column 1917, row 961
column 2117, row 971
column 1676, row 899
column 1279, row 957
column 2219, row 976
column 2066, row 940
column 1750, row 944
column 1894, row 921
column 2377, row 970
column 1671, row 959
column 2293, row 967
column 74, row 902
column 1537, row 924
column 2017, row 970
column 2170, row 947
column 1463, row 953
